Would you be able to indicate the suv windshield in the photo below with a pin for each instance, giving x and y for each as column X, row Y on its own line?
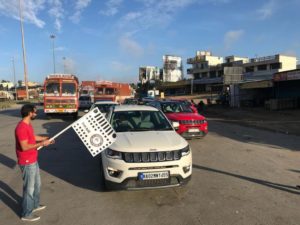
column 175, row 107
column 124, row 121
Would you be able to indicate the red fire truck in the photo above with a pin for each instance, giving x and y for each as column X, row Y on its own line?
column 61, row 94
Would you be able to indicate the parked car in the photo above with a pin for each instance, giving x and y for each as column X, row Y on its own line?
column 188, row 104
column 145, row 100
column 148, row 153
column 103, row 106
column 190, row 124
column 131, row 101
column 85, row 102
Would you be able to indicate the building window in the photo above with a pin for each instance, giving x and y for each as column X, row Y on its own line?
column 203, row 75
column 275, row 66
column 249, row 69
column 220, row 73
column 212, row 74
column 196, row 76
column 261, row 67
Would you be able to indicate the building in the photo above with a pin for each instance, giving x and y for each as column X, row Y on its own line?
column 263, row 68
column 172, row 68
column 6, row 84
column 209, row 72
column 149, row 73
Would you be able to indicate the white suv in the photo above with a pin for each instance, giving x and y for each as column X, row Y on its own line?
column 148, row 153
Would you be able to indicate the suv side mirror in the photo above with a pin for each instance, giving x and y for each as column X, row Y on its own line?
column 175, row 124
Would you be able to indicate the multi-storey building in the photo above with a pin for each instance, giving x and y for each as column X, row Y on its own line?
column 149, row 73
column 172, row 68
column 210, row 72
column 207, row 69
column 263, row 68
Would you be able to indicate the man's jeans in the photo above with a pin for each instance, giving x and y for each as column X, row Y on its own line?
column 31, row 188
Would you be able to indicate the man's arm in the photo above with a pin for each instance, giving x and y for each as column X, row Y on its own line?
column 41, row 138
column 26, row 146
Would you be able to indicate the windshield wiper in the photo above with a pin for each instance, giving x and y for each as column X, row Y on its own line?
column 142, row 129
column 165, row 128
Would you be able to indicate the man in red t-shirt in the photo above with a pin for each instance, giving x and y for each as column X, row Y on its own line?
column 26, row 149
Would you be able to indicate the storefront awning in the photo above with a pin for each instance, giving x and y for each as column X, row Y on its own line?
column 257, row 84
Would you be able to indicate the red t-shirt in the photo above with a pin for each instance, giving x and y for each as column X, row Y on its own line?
column 24, row 132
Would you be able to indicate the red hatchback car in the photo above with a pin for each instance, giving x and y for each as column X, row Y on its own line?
column 190, row 124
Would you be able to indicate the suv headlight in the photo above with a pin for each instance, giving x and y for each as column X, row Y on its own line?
column 203, row 121
column 185, row 151
column 113, row 154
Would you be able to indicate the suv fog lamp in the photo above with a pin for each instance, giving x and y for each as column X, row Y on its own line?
column 186, row 169
column 114, row 172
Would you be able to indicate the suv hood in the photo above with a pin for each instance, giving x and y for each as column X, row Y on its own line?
column 184, row 116
column 146, row 141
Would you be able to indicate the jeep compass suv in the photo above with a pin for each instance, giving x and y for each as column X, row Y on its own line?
column 148, row 153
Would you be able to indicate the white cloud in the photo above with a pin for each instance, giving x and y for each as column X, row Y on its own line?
column 60, row 49
column 267, row 10
column 231, row 37
column 79, row 7
column 69, row 65
column 120, row 67
column 130, row 46
column 56, row 10
column 112, row 7
column 158, row 13
column 30, row 10
column 290, row 52
column 155, row 13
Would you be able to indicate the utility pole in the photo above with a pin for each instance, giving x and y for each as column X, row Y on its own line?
column 14, row 73
column 24, row 52
column 52, row 36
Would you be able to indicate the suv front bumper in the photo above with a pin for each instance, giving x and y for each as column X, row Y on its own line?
column 129, row 173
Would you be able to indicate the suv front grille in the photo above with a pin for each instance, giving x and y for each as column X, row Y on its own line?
column 191, row 122
column 144, row 157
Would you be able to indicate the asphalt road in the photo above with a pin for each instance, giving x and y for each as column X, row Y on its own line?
column 241, row 176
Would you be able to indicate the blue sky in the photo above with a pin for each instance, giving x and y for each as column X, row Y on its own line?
column 110, row 39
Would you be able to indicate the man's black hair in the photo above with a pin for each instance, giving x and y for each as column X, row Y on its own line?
column 26, row 109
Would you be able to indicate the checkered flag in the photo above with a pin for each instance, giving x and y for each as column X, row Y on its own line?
column 94, row 131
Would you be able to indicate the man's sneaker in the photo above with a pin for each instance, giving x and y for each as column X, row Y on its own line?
column 30, row 218
column 40, row 207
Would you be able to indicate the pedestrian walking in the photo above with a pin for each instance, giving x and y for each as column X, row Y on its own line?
column 27, row 154
column 200, row 107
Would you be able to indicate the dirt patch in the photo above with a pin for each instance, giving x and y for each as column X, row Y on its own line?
column 287, row 121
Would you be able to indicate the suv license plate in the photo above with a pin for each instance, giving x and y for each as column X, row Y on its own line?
column 193, row 130
column 154, row 175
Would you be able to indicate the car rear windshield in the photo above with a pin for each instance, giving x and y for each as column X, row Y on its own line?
column 134, row 121
column 104, row 108
column 85, row 98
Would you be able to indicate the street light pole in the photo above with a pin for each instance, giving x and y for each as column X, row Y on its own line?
column 192, row 84
column 52, row 36
column 14, row 73
column 64, row 58
column 24, row 52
